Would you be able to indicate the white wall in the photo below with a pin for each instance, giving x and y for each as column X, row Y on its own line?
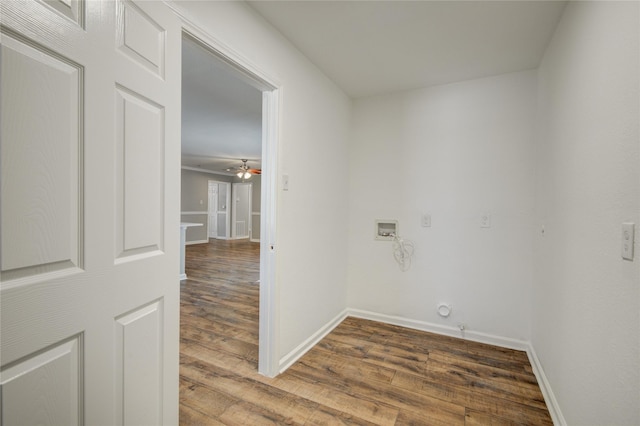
column 457, row 151
column 586, row 299
column 311, row 246
column 454, row 151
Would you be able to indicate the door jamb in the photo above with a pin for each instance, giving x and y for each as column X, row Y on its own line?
column 268, row 361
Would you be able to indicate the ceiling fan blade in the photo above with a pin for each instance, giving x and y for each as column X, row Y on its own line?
column 255, row 171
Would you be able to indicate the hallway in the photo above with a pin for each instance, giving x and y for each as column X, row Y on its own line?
column 362, row 373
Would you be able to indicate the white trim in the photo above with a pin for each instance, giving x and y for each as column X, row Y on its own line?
column 474, row 336
column 549, row 398
column 255, row 213
column 271, row 123
column 289, row 359
column 188, row 243
column 211, row 172
column 231, row 57
column 268, row 341
column 545, row 388
column 294, row 355
column 505, row 342
column 188, row 213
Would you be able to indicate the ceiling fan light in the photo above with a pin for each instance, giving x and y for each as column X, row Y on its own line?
column 247, row 175
column 239, row 174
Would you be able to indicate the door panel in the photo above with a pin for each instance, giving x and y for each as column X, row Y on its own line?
column 71, row 9
column 90, row 141
column 139, row 365
column 242, row 209
column 41, row 202
column 141, row 38
column 213, row 210
column 53, row 377
column 224, row 218
column 139, row 174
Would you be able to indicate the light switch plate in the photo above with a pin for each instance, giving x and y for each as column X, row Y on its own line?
column 628, row 238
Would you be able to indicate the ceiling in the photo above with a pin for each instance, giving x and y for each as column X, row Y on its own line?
column 374, row 47
column 221, row 114
column 366, row 48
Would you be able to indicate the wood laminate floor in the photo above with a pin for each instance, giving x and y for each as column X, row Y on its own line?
column 362, row 373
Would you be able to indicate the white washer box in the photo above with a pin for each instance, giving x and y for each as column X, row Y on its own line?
column 385, row 230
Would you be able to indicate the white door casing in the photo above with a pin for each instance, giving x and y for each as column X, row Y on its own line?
column 272, row 93
column 90, row 148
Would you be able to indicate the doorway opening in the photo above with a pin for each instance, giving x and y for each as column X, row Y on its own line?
column 235, row 214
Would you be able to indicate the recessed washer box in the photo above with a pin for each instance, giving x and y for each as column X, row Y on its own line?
column 385, row 230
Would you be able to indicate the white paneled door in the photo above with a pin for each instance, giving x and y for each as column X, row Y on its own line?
column 241, row 210
column 213, row 210
column 90, row 144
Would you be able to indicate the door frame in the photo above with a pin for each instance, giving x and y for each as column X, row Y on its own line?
column 268, row 360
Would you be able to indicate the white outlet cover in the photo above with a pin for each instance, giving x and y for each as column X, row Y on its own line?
column 425, row 220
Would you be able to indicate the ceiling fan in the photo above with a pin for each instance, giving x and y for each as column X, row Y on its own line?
column 244, row 172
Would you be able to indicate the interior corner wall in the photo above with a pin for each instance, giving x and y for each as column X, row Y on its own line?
column 314, row 131
column 586, row 298
column 455, row 151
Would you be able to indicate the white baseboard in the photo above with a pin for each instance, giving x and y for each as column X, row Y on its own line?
column 505, row 342
column 441, row 329
column 545, row 388
column 289, row 359
column 188, row 243
column 254, row 241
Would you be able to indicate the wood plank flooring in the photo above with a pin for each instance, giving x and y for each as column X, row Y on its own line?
column 362, row 373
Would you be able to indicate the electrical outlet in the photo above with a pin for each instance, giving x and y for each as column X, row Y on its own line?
column 425, row 220
column 285, row 182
